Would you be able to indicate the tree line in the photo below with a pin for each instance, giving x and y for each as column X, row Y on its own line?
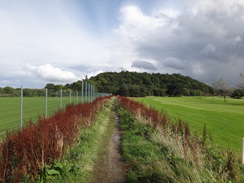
column 53, row 90
column 133, row 84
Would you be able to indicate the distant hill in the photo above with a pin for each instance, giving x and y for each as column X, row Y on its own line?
column 135, row 84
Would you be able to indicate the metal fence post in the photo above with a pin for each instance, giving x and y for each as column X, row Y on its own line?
column 86, row 92
column 70, row 101
column 61, row 96
column 90, row 92
column 77, row 97
column 46, row 103
column 21, row 107
column 82, row 91
column 89, row 88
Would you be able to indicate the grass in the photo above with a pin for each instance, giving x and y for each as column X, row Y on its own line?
column 83, row 158
column 223, row 120
column 33, row 107
column 156, row 155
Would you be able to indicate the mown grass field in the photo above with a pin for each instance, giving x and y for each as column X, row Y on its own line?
column 224, row 121
column 33, row 107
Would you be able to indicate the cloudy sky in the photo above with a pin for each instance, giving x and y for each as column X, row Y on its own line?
column 62, row 41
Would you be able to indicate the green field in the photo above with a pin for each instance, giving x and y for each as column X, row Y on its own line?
column 225, row 121
column 32, row 108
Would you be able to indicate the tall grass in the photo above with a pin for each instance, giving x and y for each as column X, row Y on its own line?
column 171, row 152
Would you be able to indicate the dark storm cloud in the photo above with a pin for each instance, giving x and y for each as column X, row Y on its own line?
column 174, row 63
column 144, row 65
column 206, row 45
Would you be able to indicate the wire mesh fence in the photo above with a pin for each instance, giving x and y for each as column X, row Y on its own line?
column 16, row 110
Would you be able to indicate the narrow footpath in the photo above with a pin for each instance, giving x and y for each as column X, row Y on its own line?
column 110, row 167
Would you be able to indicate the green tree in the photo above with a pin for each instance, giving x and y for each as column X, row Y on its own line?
column 50, row 86
column 124, row 90
column 135, row 91
column 8, row 90
column 237, row 93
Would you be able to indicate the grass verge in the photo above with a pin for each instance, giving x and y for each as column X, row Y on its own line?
column 156, row 156
column 79, row 163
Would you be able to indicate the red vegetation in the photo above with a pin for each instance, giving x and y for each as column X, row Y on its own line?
column 162, row 121
column 154, row 117
column 30, row 149
column 180, row 129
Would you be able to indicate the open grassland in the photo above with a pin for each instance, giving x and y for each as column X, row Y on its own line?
column 224, row 121
column 33, row 107
column 160, row 150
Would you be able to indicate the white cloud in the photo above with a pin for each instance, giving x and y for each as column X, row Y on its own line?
column 50, row 73
column 137, row 29
column 48, row 31
column 136, row 25
column 91, row 74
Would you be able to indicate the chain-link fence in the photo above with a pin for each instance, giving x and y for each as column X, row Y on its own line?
column 23, row 106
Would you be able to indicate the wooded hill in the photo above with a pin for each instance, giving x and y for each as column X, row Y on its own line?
column 135, row 84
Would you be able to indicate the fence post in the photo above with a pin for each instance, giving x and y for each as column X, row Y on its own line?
column 70, row 101
column 82, row 91
column 46, row 102
column 21, row 106
column 77, row 97
column 93, row 89
column 61, row 96
column 243, row 151
column 91, row 94
column 86, row 93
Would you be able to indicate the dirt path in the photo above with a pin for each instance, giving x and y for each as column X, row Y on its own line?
column 111, row 168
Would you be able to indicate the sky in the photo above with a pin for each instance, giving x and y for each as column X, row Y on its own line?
column 62, row 41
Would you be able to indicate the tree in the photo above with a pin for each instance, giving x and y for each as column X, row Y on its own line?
column 174, row 89
column 8, row 90
column 135, row 91
column 50, row 86
column 124, row 90
column 240, row 85
column 222, row 87
column 238, row 93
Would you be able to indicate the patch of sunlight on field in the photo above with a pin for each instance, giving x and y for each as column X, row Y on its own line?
column 224, row 120
column 33, row 107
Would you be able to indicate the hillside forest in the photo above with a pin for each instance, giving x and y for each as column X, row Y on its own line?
column 133, row 84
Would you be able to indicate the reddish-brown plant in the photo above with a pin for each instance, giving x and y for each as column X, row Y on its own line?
column 41, row 143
